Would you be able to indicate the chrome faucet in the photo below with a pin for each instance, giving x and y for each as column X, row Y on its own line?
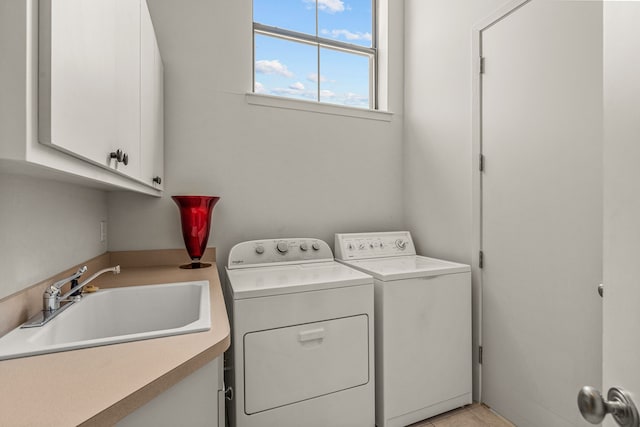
column 52, row 298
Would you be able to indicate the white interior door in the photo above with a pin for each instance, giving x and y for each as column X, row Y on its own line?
column 541, row 210
column 621, row 313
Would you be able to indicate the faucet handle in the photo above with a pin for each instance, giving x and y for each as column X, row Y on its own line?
column 60, row 283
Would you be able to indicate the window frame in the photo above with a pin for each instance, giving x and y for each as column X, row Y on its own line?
column 327, row 43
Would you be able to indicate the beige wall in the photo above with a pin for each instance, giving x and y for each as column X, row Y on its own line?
column 280, row 173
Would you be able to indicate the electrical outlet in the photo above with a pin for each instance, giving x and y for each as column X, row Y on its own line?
column 103, row 231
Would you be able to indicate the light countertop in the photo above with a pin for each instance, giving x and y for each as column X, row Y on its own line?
column 101, row 385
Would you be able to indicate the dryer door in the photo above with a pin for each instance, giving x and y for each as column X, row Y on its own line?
column 296, row 363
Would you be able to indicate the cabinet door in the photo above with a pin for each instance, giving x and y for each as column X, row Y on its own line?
column 190, row 402
column 151, row 105
column 90, row 79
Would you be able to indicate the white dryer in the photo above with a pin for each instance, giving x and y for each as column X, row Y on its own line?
column 422, row 326
column 302, row 337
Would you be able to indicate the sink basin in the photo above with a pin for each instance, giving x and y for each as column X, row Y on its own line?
column 117, row 315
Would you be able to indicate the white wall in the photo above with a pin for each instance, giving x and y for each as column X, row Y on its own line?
column 46, row 227
column 280, row 173
column 437, row 128
column 437, row 125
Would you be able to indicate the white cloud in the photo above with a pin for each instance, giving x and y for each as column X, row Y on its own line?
column 346, row 34
column 329, row 6
column 259, row 88
column 351, row 98
column 296, row 88
column 284, row 91
column 313, row 77
column 327, row 94
column 274, row 66
column 294, row 91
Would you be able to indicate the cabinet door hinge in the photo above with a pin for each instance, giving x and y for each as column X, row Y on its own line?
column 481, row 260
column 482, row 65
column 480, row 355
column 481, row 162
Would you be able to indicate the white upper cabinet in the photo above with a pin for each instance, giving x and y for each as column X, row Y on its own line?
column 84, row 92
column 89, row 96
column 151, row 104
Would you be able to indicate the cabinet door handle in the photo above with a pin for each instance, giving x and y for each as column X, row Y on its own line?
column 120, row 156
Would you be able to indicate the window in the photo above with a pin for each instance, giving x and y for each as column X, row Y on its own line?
column 318, row 50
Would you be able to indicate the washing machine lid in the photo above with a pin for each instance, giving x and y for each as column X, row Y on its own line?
column 293, row 278
column 406, row 267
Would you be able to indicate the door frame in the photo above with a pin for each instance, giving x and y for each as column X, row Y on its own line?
column 476, row 174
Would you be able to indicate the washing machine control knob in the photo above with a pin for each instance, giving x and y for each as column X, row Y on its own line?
column 401, row 244
column 260, row 250
column 315, row 246
column 303, row 246
column 282, row 247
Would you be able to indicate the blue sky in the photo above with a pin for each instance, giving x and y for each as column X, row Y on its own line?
column 289, row 69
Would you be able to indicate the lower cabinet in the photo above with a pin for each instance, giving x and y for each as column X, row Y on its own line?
column 197, row 400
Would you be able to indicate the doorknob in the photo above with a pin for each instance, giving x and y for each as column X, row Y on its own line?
column 601, row 290
column 594, row 408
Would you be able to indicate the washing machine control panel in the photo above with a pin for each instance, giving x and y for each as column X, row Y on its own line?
column 278, row 251
column 373, row 245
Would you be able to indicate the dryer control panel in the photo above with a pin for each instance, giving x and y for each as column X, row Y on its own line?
column 257, row 253
column 374, row 245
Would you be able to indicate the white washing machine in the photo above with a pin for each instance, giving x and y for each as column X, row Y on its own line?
column 302, row 337
column 422, row 326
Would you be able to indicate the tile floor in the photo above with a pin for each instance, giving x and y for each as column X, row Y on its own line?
column 475, row 415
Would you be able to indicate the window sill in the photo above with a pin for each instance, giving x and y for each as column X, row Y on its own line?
column 317, row 107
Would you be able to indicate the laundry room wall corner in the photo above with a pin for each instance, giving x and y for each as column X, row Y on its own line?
column 279, row 172
column 437, row 128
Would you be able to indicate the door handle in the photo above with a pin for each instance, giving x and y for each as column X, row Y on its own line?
column 594, row 408
column 601, row 290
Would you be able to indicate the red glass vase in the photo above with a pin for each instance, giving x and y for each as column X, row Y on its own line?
column 195, row 215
